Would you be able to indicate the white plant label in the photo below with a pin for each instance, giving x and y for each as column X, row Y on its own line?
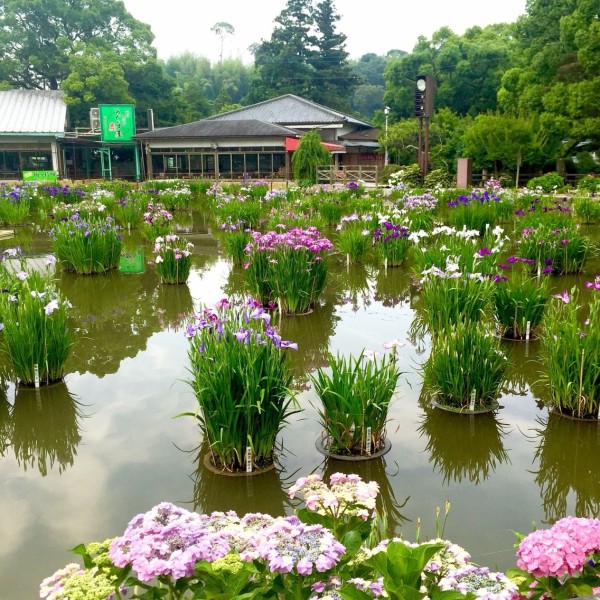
column 36, row 376
column 473, row 397
column 248, row 459
column 368, row 440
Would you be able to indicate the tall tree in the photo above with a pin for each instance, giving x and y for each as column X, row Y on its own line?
column 222, row 30
column 284, row 63
column 333, row 73
column 37, row 37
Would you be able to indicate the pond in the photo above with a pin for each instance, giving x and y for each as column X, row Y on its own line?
column 79, row 459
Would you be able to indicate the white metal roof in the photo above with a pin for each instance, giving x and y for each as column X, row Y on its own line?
column 32, row 112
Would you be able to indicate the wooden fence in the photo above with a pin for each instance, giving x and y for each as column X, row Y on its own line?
column 333, row 174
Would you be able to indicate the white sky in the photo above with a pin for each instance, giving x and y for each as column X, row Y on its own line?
column 369, row 25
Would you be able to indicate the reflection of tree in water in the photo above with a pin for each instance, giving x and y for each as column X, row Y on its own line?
column 352, row 285
column 264, row 493
column 567, row 455
column 392, row 285
column 45, row 427
column 236, row 289
column 114, row 314
column 373, row 470
column 463, row 446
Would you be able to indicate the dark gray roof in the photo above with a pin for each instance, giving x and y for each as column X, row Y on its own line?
column 289, row 110
column 32, row 112
column 219, row 129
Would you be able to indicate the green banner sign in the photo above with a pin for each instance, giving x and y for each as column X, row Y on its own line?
column 40, row 175
column 117, row 122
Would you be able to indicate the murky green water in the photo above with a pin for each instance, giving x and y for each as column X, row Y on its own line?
column 79, row 459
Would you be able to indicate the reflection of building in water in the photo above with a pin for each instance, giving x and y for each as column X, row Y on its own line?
column 463, row 446
column 568, row 473
column 45, row 427
column 388, row 507
column 263, row 493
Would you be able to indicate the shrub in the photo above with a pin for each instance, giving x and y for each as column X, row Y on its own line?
column 410, row 176
column 589, row 183
column 549, row 182
column 438, row 178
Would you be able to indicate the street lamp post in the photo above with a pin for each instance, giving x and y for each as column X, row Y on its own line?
column 386, row 112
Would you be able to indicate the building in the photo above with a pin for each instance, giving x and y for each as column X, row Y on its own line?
column 31, row 124
column 257, row 141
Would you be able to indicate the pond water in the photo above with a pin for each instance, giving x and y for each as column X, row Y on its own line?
column 79, row 459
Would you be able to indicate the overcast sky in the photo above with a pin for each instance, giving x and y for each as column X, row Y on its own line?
column 369, row 25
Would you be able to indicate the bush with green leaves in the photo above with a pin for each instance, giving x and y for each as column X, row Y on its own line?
column 549, row 182
column 571, row 353
column 409, row 176
column 589, row 183
column 241, row 377
column 355, row 395
column 308, row 156
column 466, row 367
column 36, row 340
column 87, row 246
column 438, row 178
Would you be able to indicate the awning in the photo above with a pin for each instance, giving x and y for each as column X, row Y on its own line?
column 291, row 144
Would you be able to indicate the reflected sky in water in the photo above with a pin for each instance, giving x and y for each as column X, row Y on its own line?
column 80, row 459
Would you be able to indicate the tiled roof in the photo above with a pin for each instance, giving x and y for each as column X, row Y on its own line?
column 289, row 110
column 32, row 111
column 218, row 129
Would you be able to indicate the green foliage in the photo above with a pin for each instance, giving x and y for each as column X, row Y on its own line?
column 409, row 176
column 587, row 209
column 437, row 178
column 549, row 182
column 355, row 395
column 353, row 239
column 517, row 301
column 465, row 361
column 571, row 355
column 589, row 183
column 36, row 336
column 241, row 378
column 309, row 154
column 448, row 300
column 172, row 259
column 87, row 246
column 39, row 39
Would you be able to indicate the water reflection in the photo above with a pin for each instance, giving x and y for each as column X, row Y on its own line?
column 6, row 424
column 45, row 428
column 264, row 493
column 567, row 456
column 392, row 286
column 523, row 372
column 173, row 305
column 463, row 446
column 353, row 284
column 374, row 470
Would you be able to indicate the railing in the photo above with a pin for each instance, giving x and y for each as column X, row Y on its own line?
column 333, row 174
